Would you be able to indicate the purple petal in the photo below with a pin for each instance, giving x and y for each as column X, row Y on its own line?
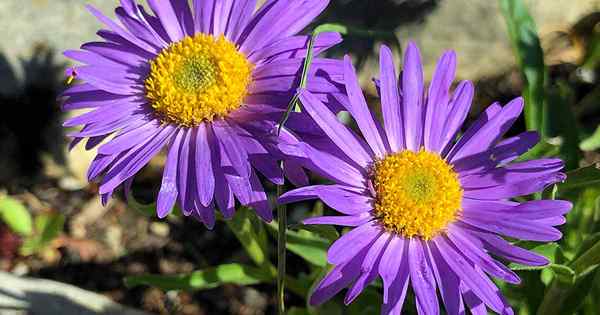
column 422, row 278
column 489, row 133
column 239, row 17
column 337, row 279
column 479, row 257
column 390, row 100
column 131, row 162
column 127, row 140
column 399, row 274
column 112, row 79
column 481, row 286
column 521, row 229
column 231, row 147
column 437, row 100
column 345, row 139
column 504, row 152
column 120, row 31
column 502, row 248
column 205, row 215
column 166, row 13
column 338, row 197
column 369, row 268
column 251, row 193
column 351, row 243
column 458, row 109
column 517, row 179
column 412, row 100
column 350, row 220
column 168, row 188
column 205, row 183
column 360, row 111
column 294, row 172
column 278, row 19
column 295, row 47
column 448, row 283
column 185, row 181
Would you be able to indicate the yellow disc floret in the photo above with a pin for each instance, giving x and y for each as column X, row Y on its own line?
column 198, row 79
column 417, row 193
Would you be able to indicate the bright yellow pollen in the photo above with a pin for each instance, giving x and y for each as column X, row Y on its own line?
column 417, row 193
column 198, row 79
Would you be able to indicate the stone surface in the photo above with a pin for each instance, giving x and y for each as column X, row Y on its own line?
column 476, row 30
column 27, row 296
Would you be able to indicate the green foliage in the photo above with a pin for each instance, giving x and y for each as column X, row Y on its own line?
column 250, row 231
column 48, row 226
column 530, row 57
column 203, row 279
column 16, row 216
column 308, row 245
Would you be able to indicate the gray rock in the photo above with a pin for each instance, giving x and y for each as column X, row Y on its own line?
column 28, row 296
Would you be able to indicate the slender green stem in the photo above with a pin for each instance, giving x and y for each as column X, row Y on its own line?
column 281, row 253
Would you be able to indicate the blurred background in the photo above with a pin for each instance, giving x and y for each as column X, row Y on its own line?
column 53, row 226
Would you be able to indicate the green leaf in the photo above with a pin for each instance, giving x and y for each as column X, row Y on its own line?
column 48, row 226
column 325, row 231
column 560, row 122
column 16, row 216
column 530, row 58
column 250, row 232
column 549, row 251
column 563, row 273
column 592, row 142
column 305, row 244
column 203, row 279
column 581, row 178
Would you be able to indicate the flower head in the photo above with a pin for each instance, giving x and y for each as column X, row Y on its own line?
column 208, row 82
column 427, row 207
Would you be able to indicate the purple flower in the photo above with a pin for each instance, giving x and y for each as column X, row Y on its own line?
column 426, row 207
column 208, row 83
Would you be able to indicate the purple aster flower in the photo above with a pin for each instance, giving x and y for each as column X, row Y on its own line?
column 426, row 207
column 208, row 83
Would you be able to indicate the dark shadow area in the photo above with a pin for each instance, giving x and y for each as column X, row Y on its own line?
column 30, row 122
column 378, row 15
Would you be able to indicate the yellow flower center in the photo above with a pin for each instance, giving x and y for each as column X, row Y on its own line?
column 198, row 79
column 417, row 193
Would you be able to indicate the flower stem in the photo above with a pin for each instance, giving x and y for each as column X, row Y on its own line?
column 281, row 253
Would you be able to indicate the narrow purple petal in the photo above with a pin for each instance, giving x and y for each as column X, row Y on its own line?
column 167, row 194
column 504, row 152
column 351, row 243
column 337, row 279
column 369, row 268
column 350, row 220
column 481, row 286
column 134, row 160
column 390, row 100
column 230, row 146
column 504, row 249
column 448, row 283
column 480, row 258
column 338, row 197
column 345, row 139
column 437, row 99
column 360, row 111
column 295, row 47
column 166, row 13
column 399, row 274
column 422, row 278
column 120, row 31
column 489, row 133
column 205, row 177
column 412, row 100
column 185, row 181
